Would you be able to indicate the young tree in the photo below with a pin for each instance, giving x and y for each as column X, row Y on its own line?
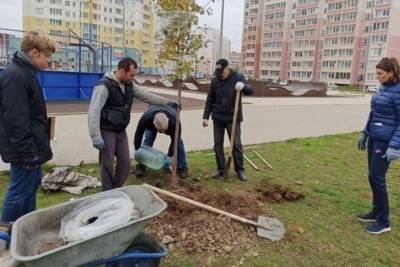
column 179, row 46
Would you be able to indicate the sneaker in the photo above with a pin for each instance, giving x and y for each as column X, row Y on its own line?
column 366, row 217
column 218, row 174
column 377, row 229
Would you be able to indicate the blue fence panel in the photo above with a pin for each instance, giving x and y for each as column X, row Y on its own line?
column 66, row 85
column 87, row 81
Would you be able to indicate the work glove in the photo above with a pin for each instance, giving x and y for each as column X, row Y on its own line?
column 205, row 123
column 362, row 141
column 175, row 104
column 392, row 154
column 239, row 86
column 98, row 143
column 30, row 164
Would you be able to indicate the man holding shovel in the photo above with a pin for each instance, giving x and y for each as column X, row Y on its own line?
column 221, row 104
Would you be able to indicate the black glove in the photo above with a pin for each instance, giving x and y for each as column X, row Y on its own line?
column 30, row 164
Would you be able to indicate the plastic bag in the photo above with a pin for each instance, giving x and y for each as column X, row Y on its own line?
column 98, row 215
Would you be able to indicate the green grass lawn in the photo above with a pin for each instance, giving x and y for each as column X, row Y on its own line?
column 334, row 180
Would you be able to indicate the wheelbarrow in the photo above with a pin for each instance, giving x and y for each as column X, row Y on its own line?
column 144, row 251
column 43, row 226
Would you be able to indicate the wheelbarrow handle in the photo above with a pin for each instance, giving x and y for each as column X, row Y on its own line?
column 5, row 236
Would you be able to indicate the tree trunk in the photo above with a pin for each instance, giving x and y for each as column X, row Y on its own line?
column 174, row 179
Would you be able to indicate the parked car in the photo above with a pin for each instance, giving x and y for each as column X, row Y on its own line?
column 372, row 88
column 268, row 81
column 283, row 83
column 200, row 75
column 332, row 86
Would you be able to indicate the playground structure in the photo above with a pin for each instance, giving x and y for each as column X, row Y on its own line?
column 74, row 53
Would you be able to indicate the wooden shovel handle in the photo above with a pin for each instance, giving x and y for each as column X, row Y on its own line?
column 233, row 131
column 206, row 207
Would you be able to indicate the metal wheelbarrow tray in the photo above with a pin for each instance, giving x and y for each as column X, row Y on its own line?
column 44, row 226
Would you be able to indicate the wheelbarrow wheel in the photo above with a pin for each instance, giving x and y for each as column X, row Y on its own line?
column 143, row 243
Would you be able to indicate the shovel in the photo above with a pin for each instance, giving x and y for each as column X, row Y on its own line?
column 270, row 228
column 233, row 131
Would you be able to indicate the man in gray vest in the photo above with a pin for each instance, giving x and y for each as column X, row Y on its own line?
column 109, row 116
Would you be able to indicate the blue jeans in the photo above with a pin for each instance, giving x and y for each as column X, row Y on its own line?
column 377, row 167
column 21, row 195
column 150, row 137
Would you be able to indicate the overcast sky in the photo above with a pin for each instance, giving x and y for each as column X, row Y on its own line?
column 11, row 18
column 233, row 20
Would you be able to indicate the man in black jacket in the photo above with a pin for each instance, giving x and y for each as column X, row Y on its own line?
column 220, row 104
column 155, row 120
column 24, row 137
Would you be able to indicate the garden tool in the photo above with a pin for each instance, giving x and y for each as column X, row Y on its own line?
column 270, row 228
column 233, row 131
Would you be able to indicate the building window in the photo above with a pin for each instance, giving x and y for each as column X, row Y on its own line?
column 55, row 2
column 55, row 11
column 39, row 11
column 55, row 22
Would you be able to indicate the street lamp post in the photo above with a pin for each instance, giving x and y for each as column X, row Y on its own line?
column 221, row 30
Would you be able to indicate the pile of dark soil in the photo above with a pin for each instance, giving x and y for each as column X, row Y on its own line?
column 193, row 229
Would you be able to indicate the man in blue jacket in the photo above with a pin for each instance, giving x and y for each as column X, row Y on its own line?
column 220, row 104
column 24, row 137
column 158, row 119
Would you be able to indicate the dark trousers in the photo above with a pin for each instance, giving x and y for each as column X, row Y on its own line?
column 378, row 167
column 21, row 194
column 219, row 131
column 116, row 147
column 150, row 137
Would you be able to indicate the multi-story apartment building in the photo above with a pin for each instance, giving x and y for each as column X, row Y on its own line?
column 380, row 34
column 252, row 26
column 275, row 39
column 234, row 60
column 336, row 41
column 208, row 55
column 305, row 39
column 127, row 25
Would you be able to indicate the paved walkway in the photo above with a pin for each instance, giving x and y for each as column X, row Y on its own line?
column 265, row 120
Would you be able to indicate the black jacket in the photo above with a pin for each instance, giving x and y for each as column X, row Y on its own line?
column 146, row 123
column 23, row 117
column 221, row 97
column 116, row 113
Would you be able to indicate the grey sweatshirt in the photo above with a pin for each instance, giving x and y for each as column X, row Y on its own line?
column 99, row 99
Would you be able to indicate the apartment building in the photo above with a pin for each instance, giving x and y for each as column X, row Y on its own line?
column 305, row 40
column 234, row 60
column 127, row 25
column 208, row 55
column 336, row 41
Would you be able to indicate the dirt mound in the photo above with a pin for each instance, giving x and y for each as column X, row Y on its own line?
column 193, row 229
column 278, row 193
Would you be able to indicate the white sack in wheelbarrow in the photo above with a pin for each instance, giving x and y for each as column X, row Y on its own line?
column 98, row 215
